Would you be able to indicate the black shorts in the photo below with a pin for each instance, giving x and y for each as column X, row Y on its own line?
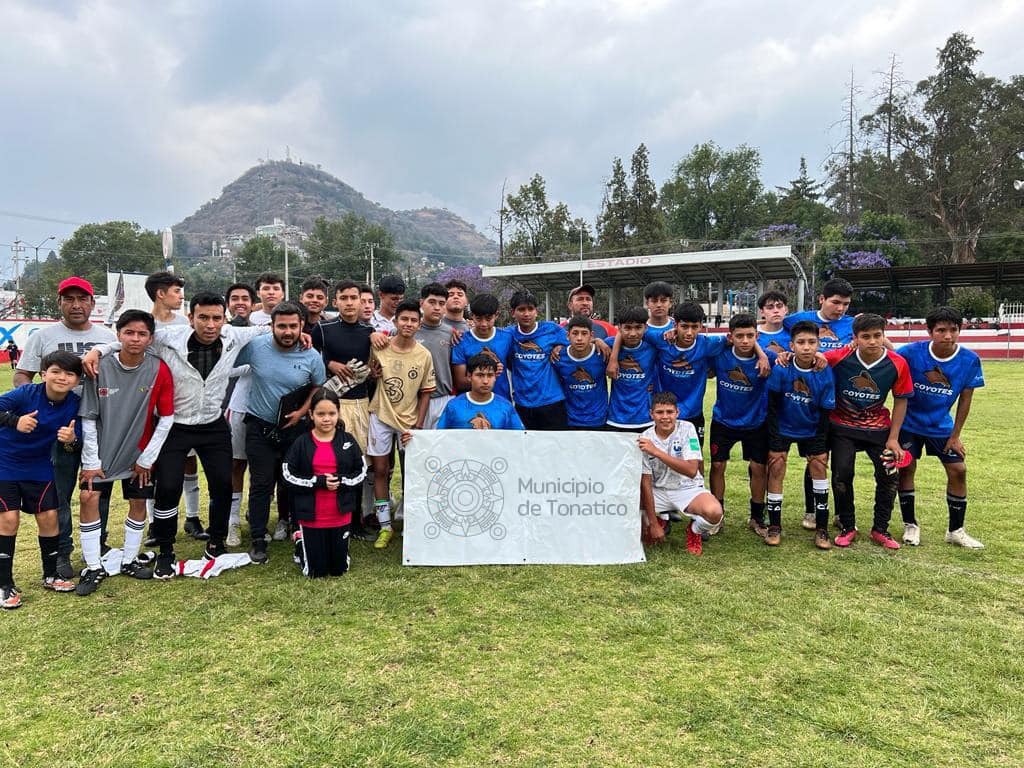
column 914, row 444
column 630, row 430
column 815, row 445
column 544, row 417
column 698, row 424
column 29, row 496
column 130, row 488
column 754, row 441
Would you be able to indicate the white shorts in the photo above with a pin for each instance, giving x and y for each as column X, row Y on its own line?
column 237, row 422
column 435, row 408
column 381, row 438
column 675, row 500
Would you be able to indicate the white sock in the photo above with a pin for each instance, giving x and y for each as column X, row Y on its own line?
column 191, row 495
column 819, row 486
column 149, row 511
column 89, row 533
column 700, row 525
column 383, row 510
column 236, row 509
column 132, row 540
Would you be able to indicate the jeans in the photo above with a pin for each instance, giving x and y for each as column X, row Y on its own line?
column 265, row 458
column 65, row 481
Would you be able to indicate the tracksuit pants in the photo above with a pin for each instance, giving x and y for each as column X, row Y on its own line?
column 845, row 444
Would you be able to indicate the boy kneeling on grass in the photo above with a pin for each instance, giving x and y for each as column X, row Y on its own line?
column 671, row 480
column 31, row 417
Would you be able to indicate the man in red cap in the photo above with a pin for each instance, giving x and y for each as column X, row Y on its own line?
column 581, row 302
column 77, row 334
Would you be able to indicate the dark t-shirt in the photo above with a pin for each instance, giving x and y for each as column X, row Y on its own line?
column 342, row 342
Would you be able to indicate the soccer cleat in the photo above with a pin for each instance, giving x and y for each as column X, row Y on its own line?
column 362, row 534
column 10, row 597
column 64, row 567
column 821, row 540
column 912, row 534
column 383, row 538
column 810, row 522
column 234, row 535
column 90, row 581
column 58, row 584
column 137, row 570
column 214, row 549
column 674, row 517
column 960, row 538
column 884, row 540
column 164, row 569
column 298, row 553
column 757, row 526
column 845, row 538
column 774, row 536
column 694, row 545
column 194, row 528
column 258, row 552
column 281, row 531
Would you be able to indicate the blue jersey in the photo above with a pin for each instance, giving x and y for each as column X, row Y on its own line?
column 832, row 334
column 777, row 341
column 585, row 387
column 463, row 413
column 630, row 404
column 938, row 383
column 26, row 455
column 684, row 372
column 805, row 394
column 742, row 397
column 534, row 381
column 499, row 346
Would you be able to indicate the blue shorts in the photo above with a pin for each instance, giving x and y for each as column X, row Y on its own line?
column 914, row 444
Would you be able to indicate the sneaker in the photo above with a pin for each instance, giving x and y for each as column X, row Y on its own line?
column 258, row 552
column 10, row 597
column 912, row 534
column 694, row 545
column 362, row 534
column 64, row 568
column 281, row 531
column 884, row 540
column 137, row 570
column 674, row 517
column 194, row 528
column 821, row 540
column 810, row 522
column 58, row 584
column 90, row 581
column 845, row 538
column 214, row 549
column 234, row 535
column 150, row 540
column 961, row 539
column 774, row 536
column 383, row 538
column 164, row 569
column 757, row 526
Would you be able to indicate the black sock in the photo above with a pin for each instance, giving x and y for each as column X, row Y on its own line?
column 907, row 507
column 808, row 492
column 6, row 560
column 775, row 509
column 821, row 510
column 957, row 510
column 757, row 510
column 48, row 554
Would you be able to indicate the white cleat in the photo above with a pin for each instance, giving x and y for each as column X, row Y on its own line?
column 961, row 539
column 281, row 531
column 234, row 535
column 810, row 522
column 912, row 534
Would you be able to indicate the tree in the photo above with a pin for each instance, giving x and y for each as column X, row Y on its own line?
column 258, row 255
column 613, row 223
column 340, row 248
column 714, row 194
column 646, row 220
column 540, row 229
column 799, row 203
column 841, row 165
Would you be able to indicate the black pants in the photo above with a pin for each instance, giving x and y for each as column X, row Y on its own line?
column 845, row 444
column 324, row 551
column 265, row 459
column 212, row 443
column 544, row 417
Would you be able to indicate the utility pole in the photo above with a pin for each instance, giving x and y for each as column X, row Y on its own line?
column 370, row 274
column 18, row 249
column 285, row 268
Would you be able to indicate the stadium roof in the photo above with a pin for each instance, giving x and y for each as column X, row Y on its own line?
column 945, row 276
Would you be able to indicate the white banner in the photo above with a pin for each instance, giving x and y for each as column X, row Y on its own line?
column 475, row 497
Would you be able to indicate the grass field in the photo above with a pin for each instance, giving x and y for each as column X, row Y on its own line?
column 746, row 656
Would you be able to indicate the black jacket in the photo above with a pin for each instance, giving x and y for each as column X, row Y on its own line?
column 298, row 473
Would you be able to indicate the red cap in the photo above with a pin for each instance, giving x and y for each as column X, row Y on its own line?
column 75, row 282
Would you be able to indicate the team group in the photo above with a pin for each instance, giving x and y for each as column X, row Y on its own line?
column 317, row 404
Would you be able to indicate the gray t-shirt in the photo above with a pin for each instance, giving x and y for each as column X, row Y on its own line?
column 438, row 340
column 58, row 337
column 176, row 319
column 276, row 373
column 460, row 325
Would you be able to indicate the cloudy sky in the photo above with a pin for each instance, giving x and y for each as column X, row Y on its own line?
column 143, row 111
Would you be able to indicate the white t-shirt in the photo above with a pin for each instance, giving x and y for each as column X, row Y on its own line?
column 176, row 319
column 58, row 337
column 381, row 324
column 681, row 444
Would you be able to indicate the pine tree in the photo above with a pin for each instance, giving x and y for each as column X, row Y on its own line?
column 614, row 220
column 646, row 221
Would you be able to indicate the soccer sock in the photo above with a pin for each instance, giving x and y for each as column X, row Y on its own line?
column 820, row 488
column 132, row 539
column 757, row 510
column 48, row 554
column 89, row 533
column 191, row 489
column 957, row 511
column 235, row 517
column 808, row 492
column 774, row 509
column 700, row 525
column 907, row 507
column 383, row 509
column 6, row 560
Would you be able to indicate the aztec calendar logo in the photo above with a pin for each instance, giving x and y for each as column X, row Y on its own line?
column 465, row 498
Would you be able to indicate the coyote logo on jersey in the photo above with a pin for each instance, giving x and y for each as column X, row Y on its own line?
column 488, row 351
column 629, row 364
column 737, row 375
column 800, row 387
column 863, row 380
column 682, row 363
column 530, row 346
column 824, row 332
column 774, row 346
column 936, row 376
column 582, row 376
column 480, row 421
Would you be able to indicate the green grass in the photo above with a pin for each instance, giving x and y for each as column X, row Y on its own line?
column 746, row 656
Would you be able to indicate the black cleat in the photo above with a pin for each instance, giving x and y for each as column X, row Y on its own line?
column 64, row 569
column 194, row 528
column 258, row 552
column 164, row 566
column 90, row 581
column 137, row 570
column 215, row 549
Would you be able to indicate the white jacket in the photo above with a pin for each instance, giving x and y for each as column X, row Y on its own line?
column 197, row 401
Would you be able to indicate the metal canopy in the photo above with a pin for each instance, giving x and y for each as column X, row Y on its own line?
column 945, row 276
